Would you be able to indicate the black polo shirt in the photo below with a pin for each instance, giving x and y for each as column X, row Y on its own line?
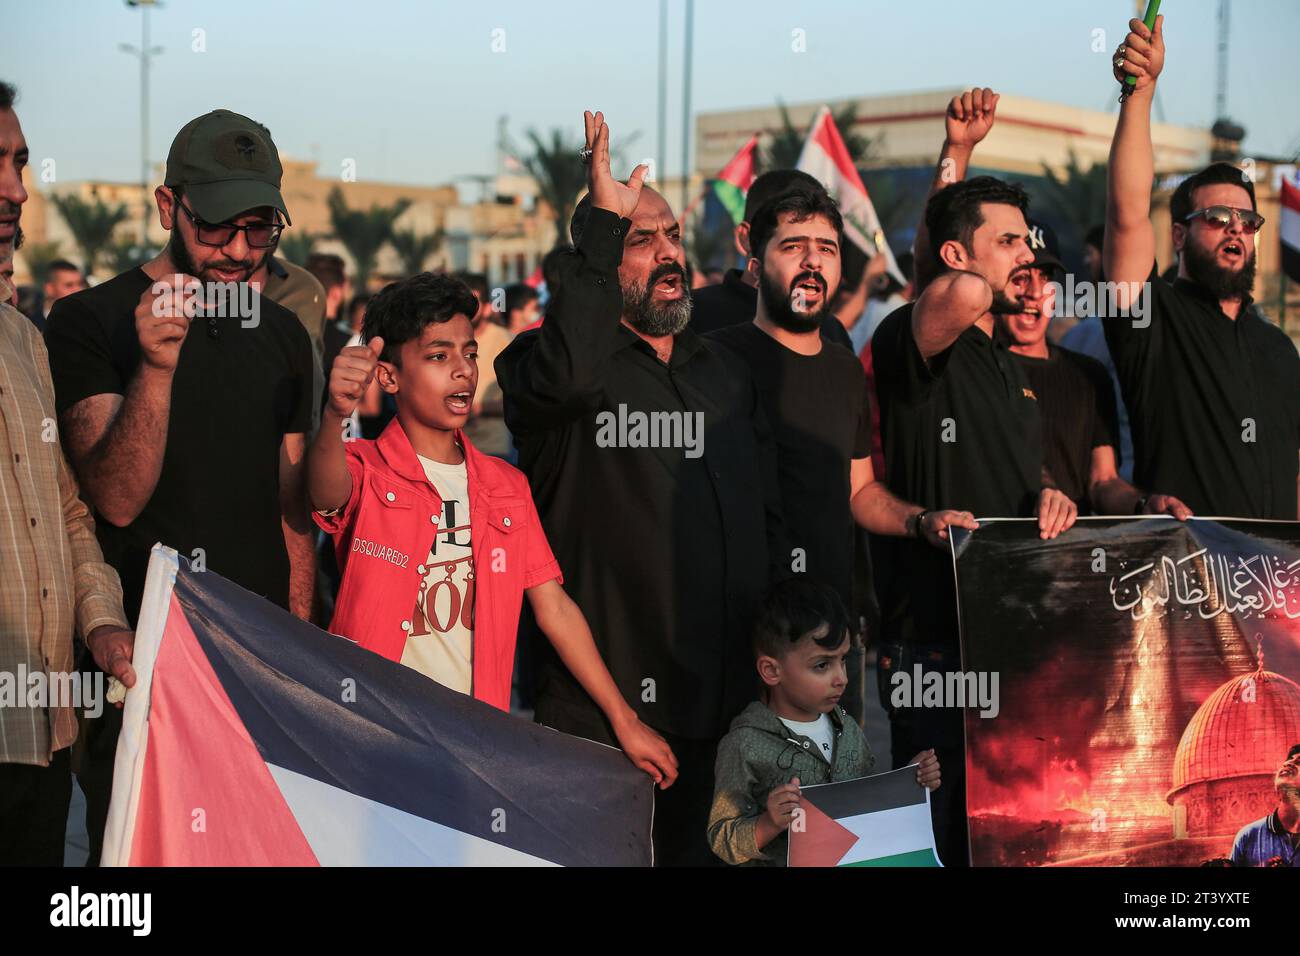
column 1198, row 385
column 960, row 432
column 234, row 397
column 820, row 414
column 1076, row 401
column 734, row 302
column 666, row 553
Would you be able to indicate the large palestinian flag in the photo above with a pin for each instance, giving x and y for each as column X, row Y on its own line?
column 253, row 738
column 882, row 820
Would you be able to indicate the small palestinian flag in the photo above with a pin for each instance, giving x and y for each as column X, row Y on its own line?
column 252, row 738
column 1290, row 229
column 883, row 820
column 732, row 184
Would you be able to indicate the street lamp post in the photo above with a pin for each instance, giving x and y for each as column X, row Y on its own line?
column 144, row 52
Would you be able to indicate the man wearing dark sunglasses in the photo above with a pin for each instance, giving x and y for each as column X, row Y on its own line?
column 183, row 426
column 1212, row 388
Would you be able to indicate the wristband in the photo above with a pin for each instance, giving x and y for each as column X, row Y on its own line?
column 1141, row 506
column 918, row 518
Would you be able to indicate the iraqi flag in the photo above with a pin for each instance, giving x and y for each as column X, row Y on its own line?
column 882, row 820
column 252, row 738
column 1290, row 229
column 826, row 158
column 732, row 185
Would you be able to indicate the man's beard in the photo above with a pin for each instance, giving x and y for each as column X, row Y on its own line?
column 1004, row 304
column 185, row 264
column 781, row 310
column 1221, row 282
column 657, row 319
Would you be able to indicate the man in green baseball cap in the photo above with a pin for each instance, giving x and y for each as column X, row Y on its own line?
column 227, row 164
column 185, row 397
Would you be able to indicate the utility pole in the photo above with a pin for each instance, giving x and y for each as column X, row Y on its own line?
column 660, row 155
column 144, row 52
column 686, row 105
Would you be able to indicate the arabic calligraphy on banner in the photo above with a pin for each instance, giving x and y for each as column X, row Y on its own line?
column 1209, row 584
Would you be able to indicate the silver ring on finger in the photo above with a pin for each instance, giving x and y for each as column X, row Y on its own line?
column 584, row 154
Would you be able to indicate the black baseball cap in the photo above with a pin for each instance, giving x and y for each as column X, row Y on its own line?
column 228, row 165
column 1047, row 251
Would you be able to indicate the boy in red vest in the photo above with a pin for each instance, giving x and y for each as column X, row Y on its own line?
column 438, row 544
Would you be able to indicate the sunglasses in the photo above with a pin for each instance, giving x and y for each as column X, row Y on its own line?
column 1220, row 217
column 260, row 235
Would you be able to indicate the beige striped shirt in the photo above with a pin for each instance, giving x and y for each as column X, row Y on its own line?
column 52, row 573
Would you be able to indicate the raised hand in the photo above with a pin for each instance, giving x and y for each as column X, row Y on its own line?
column 606, row 191
column 1143, row 54
column 970, row 117
column 353, row 371
column 162, row 320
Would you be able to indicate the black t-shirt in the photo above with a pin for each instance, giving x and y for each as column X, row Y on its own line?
column 960, row 432
column 1077, row 403
column 734, row 302
column 819, row 410
column 1214, row 403
column 234, row 397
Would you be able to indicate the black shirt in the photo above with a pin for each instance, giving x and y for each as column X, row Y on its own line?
column 1198, row 385
column 234, row 397
column 666, row 554
column 960, row 432
column 733, row 302
column 1077, row 404
column 820, row 414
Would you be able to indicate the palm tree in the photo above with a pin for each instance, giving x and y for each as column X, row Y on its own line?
column 38, row 256
column 787, row 143
column 414, row 248
column 91, row 225
column 125, row 253
column 1078, row 197
column 296, row 246
column 560, row 176
column 363, row 232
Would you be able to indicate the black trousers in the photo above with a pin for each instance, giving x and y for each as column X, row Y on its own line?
column 96, row 753
column 681, row 820
column 913, row 729
column 34, row 811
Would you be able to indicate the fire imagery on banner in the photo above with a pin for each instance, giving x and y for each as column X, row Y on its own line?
column 1149, row 677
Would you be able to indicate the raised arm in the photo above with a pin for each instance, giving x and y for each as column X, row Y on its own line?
column 329, row 483
column 948, row 307
column 116, row 442
column 968, row 120
column 1130, row 244
column 558, row 373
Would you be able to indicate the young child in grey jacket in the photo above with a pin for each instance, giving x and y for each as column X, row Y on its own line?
column 798, row 734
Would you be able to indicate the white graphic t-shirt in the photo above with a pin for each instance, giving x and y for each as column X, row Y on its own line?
column 441, row 642
column 820, row 731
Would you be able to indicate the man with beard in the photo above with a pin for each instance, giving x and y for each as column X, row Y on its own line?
column 1274, row 840
column 817, row 402
column 189, row 428
column 961, row 432
column 1210, row 386
column 642, row 447
column 733, row 300
column 1076, row 399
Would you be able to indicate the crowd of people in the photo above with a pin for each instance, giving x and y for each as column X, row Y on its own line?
column 431, row 472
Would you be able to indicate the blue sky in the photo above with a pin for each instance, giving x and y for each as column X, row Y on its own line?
column 412, row 89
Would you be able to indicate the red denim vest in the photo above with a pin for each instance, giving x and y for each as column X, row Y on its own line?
column 384, row 533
